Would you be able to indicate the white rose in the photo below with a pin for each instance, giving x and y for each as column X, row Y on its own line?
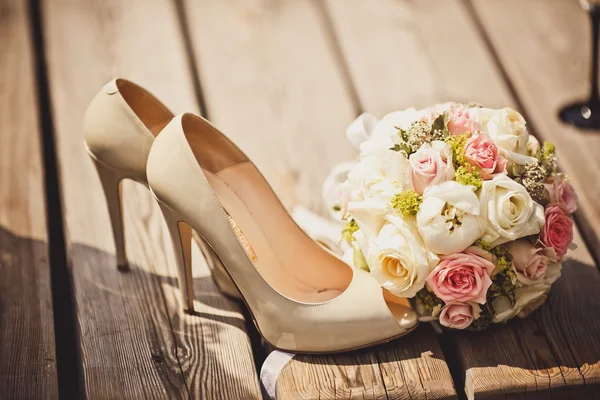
column 527, row 300
column 449, row 218
column 507, row 128
column 509, row 210
column 398, row 259
column 390, row 165
column 362, row 176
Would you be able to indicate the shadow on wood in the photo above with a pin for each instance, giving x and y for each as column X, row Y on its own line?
column 158, row 365
column 28, row 361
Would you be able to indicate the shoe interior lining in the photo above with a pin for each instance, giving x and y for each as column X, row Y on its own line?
column 285, row 256
column 153, row 114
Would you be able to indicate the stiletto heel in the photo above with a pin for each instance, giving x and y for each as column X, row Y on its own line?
column 120, row 125
column 111, row 179
column 217, row 269
column 181, row 238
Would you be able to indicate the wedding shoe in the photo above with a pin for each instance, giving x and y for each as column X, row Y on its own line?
column 302, row 298
column 120, row 125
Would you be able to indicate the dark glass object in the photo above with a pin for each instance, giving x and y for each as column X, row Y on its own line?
column 586, row 114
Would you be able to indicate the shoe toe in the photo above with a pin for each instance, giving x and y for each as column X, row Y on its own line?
column 405, row 317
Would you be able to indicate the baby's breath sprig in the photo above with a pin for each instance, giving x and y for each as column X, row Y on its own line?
column 348, row 231
column 420, row 132
column 407, row 203
column 532, row 177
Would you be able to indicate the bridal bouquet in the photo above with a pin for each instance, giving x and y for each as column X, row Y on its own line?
column 457, row 207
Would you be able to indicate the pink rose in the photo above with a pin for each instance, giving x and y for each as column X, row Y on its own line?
column 460, row 121
column 530, row 262
column 459, row 315
column 462, row 276
column 430, row 165
column 482, row 152
column 562, row 192
column 557, row 232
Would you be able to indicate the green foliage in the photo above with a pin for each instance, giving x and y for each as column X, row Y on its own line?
column 467, row 175
column 482, row 244
column 503, row 282
column 457, row 146
column 407, row 203
column 547, row 158
column 548, row 150
column 420, row 132
column 349, row 229
column 428, row 299
column 484, row 320
column 439, row 130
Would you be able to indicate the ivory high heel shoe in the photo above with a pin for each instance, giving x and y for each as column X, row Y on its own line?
column 302, row 297
column 120, row 125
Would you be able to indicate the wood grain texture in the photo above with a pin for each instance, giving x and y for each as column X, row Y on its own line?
column 402, row 54
column 27, row 348
column 548, row 76
column 274, row 85
column 135, row 340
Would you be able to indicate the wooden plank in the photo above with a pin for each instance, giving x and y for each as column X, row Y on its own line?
column 548, row 76
column 403, row 54
column 289, row 113
column 543, row 85
column 135, row 340
column 27, row 348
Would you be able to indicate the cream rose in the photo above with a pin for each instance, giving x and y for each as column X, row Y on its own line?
column 527, row 299
column 507, row 128
column 371, row 177
column 397, row 258
column 449, row 218
column 509, row 211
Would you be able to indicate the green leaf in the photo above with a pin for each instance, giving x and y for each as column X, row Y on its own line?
column 438, row 127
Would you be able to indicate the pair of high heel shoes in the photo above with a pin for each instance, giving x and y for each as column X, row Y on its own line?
column 302, row 297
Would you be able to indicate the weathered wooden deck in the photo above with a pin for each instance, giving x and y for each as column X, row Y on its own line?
column 283, row 78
